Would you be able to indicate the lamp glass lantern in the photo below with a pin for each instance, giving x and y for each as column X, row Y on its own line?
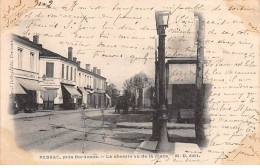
column 162, row 19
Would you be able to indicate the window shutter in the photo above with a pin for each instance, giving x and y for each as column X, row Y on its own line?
column 49, row 69
column 62, row 70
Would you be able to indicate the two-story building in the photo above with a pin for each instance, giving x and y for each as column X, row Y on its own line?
column 26, row 73
column 94, row 86
column 85, row 85
column 98, row 98
column 50, row 81
column 59, row 77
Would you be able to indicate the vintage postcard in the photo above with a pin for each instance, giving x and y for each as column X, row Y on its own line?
column 130, row 82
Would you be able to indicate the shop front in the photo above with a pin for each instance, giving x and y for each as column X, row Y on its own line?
column 98, row 100
column 108, row 100
column 83, row 101
column 48, row 96
column 89, row 97
column 71, row 97
column 25, row 94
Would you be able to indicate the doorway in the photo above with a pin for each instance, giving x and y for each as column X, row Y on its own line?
column 48, row 97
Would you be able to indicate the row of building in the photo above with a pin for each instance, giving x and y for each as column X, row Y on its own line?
column 45, row 80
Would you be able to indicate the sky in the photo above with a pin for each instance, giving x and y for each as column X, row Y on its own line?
column 120, row 38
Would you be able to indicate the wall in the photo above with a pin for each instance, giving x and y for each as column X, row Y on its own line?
column 55, row 82
column 29, row 74
column 64, row 80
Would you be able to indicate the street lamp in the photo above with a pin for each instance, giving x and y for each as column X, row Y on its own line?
column 155, row 132
column 162, row 18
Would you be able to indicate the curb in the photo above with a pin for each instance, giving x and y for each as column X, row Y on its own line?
column 50, row 113
column 150, row 127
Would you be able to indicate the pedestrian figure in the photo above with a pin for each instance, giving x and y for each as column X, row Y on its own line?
column 117, row 108
column 125, row 106
column 108, row 104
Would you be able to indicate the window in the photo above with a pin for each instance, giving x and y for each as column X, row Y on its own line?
column 49, row 69
column 67, row 73
column 95, row 84
column 20, row 58
column 71, row 73
column 75, row 74
column 90, row 80
column 79, row 78
column 62, row 71
column 32, row 61
column 85, row 80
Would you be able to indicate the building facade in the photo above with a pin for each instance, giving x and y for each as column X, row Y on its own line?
column 59, row 82
column 181, row 90
column 92, row 86
column 99, row 99
column 59, row 77
column 26, row 74
column 85, row 85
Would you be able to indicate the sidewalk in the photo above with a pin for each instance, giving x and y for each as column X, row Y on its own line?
column 97, row 112
column 148, row 125
column 44, row 113
column 147, row 147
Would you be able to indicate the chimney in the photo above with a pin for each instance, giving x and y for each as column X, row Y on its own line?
column 99, row 71
column 75, row 59
column 70, row 53
column 36, row 39
column 78, row 62
column 95, row 70
column 88, row 67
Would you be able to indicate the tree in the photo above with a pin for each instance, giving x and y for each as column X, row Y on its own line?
column 113, row 92
column 135, row 85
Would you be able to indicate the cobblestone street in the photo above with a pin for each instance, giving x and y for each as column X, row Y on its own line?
column 83, row 131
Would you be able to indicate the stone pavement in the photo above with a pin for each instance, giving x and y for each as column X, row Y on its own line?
column 149, row 146
column 97, row 112
column 178, row 129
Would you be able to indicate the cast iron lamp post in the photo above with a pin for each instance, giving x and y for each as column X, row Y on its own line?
column 162, row 18
column 199, row 124
column 155, row 132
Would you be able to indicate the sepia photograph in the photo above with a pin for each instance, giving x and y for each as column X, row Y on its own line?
column 130, row 82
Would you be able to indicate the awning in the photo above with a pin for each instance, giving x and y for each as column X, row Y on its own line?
column 83, row 90
column 73, row 91
column 49, row 95
column 90, row 91
column 30, row 84
column 18, row 88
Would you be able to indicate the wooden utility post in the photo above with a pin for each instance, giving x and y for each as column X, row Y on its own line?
column 199, row 123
